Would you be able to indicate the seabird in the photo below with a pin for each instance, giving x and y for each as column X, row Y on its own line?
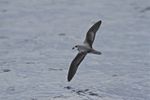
column 84, row 49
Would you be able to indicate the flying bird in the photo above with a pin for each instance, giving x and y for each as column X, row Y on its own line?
column 84, row 49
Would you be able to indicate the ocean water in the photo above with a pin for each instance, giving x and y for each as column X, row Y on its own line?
column 36, row 37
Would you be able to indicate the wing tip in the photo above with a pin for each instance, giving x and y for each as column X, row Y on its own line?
column 69, row 78
column 70, row 75
column 99, row 22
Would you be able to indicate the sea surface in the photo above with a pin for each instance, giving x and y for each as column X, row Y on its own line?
column 36, row 40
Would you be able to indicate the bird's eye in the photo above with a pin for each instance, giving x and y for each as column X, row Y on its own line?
column 76, row 46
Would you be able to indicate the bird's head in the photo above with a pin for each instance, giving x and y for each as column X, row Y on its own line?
column 76, row 46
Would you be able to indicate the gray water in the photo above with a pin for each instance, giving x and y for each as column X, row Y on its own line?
column 36, row 37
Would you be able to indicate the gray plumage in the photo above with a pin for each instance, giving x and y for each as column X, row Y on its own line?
column 84, row 49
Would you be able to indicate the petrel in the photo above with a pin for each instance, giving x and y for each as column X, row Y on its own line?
column 84, row 49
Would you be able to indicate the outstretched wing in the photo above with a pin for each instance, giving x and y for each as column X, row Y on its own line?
column 90, row 36
column 75, row 63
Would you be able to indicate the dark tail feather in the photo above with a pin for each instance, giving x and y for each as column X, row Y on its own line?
column 96, row 52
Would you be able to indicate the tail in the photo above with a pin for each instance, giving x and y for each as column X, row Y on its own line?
column 96, row 52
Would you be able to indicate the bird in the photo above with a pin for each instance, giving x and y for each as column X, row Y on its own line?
column 84, row 49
